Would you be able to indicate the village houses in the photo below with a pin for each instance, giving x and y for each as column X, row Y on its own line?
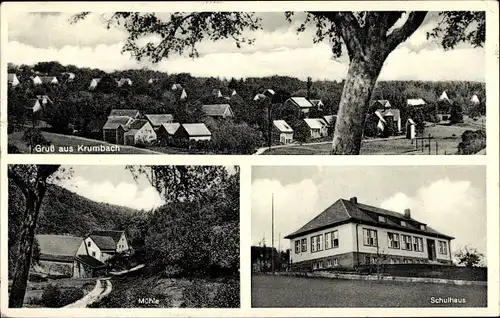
column 317, row 127
column 195, row 132
column 166, row 132
column 139, row 131
column 282, row 133
column 156, row 120
column 78, row 257
column 302, row 104
column 349, row 233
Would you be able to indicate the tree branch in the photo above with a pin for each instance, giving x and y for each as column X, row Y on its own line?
column 349, row 27
column 400, row 35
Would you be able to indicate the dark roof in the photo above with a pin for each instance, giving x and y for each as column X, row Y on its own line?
column 158, row 119
column 62, row 247
column 216, row 110
column 124, row 112
column 343, row 211
column 115, row 122
column 96, row 125
column 104, row 242
column 115, row 235
column 390, row 111
column 90, row 261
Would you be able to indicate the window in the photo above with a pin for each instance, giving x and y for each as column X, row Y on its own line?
column 403, row 223
column 393, row 240
column 418, row 244
column 382, row 218
column 88, row 243
column 370, row 237
column 297, row 246
column 374, row 260
column 406, row 242
column 422, row 227
column 328, row 240
column 319, row 242
column 331, row 240
column 406, row 261
column 443, row 248
column 304, row 244
column 93, row 253
column 316, row 243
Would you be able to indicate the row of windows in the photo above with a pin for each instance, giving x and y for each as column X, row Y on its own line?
column 373, row 260
column 330, row 240
column 408, row 243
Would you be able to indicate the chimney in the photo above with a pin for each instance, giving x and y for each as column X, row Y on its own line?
column 407, row 213
column 354, row 200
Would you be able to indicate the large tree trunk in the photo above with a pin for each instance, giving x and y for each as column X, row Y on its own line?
column 25, row 249
column 34, row 195
column 361, row 79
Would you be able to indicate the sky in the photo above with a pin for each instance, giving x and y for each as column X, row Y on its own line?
column 450, row 199
column 278, row 50
column 113, row 185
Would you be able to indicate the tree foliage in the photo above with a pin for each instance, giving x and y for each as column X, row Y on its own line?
column 469, row 256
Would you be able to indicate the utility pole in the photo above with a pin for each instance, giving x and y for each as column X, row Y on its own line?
column 272, row 233
column 269, row 126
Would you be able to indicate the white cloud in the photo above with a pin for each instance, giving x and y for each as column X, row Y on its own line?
column 124, row 194
column 295, row 203
column 280, row 51
column 452, row 207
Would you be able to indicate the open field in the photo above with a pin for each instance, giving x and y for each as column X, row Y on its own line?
column 70, row 145
column 446, row 137
column 296, row 292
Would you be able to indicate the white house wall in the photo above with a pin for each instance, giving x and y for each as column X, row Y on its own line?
column 93, row 249
column 346, row 244
column 200, row 138
column 122, row 244
column 145, row 134
column 383, row 243
column 82, row 250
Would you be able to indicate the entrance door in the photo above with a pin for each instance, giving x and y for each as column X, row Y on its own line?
column 431, row 249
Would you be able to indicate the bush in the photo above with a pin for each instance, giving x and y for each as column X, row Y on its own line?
column 53, row 297
column 50, row 297
column 196, row 295
column 472, row 142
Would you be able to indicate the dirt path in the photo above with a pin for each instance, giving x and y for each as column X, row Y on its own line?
column 102, row 289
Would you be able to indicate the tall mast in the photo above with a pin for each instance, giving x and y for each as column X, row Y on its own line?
column 272, row 233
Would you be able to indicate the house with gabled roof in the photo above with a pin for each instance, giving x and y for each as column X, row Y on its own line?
column 301, row 103
column 349, row 234
column 36, row 80
column 102, row 245
column 69, row 76
column 391, row 116
column 316, row 128
column 218, row 110
column 124, row 81
column 118, row 123
column 474, row 99
column 196, row 131
column 176, row 86
column 12, row 79
column 217, row 93
column 166, row 132
column 139, row 131
column 283, row 133
column 156, row 120
column 66, row 256
column 444, row 97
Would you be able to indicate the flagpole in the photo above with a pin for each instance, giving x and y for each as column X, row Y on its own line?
column 272, row 233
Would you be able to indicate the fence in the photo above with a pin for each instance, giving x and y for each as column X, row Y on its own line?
column 430, row 143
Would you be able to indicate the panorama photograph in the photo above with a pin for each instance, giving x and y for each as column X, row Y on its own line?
column 252, row 83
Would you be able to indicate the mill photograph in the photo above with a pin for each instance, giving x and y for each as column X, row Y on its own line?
column 252, row 83
column 369, row 236
column 123, row 236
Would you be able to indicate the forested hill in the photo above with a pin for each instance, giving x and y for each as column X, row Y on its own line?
column 65, row 212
